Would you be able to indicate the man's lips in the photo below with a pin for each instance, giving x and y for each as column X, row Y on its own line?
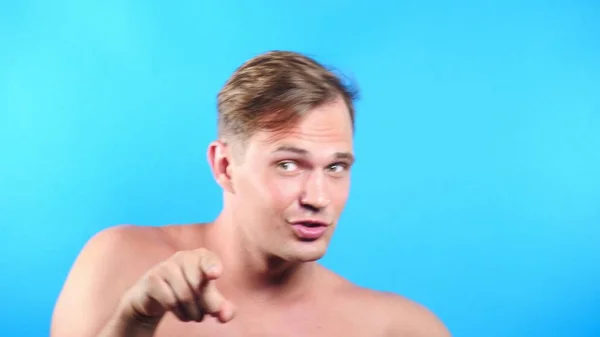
column 309, row 229
column 310, row 222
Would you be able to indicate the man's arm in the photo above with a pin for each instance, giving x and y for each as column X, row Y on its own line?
column 105, row 268
column 407, row 318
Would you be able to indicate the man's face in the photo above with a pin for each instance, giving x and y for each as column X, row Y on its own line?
column 290, row 189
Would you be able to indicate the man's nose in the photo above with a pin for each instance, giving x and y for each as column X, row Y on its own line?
column 315, row 195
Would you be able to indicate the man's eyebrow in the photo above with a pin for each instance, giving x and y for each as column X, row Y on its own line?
column 293, row 149
column 345, row 156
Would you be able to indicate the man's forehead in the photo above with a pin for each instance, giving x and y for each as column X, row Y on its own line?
column 294, row 141
column 337, row 134
column 335, row 152
column 270, row 145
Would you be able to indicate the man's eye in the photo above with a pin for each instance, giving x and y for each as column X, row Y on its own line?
column 339, row 167
column 288, row 166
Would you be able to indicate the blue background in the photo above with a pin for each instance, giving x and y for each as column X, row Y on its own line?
column 477, row 186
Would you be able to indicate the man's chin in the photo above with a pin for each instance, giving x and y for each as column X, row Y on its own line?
column 308, row 252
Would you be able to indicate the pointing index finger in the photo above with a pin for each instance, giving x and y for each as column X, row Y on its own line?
column 212, row 298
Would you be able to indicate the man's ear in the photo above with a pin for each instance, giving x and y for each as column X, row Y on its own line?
column 219, row 159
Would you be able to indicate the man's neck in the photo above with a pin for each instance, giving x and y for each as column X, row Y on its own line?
column 251, row 271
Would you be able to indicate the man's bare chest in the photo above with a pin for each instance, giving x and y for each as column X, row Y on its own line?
column 327, row 325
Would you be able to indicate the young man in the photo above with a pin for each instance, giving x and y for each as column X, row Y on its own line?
column 283, row 159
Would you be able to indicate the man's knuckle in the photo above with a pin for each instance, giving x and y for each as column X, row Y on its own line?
column 170, row 268
column 181, row 256
column 178, row 254
column 152, row 281
column 202, row 252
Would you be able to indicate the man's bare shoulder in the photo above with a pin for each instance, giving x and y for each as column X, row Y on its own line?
column 129, row 242
column 118, row 255
column 408, row 318
column 134, row 236
column 399, row 315
column 109, row 263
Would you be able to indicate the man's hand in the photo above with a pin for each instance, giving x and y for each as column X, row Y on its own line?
column 126, row 279
column 184, row 284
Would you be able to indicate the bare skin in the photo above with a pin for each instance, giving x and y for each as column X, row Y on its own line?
column 268, row 282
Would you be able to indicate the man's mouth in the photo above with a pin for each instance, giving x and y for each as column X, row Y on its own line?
column 311, row 223
column 309, row 229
